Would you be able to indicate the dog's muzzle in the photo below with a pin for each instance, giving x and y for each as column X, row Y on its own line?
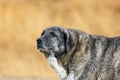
column 42, row 48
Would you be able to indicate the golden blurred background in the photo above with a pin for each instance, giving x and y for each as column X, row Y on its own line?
column 22, row 21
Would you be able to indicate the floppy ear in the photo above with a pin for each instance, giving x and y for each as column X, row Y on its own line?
column 68, row 41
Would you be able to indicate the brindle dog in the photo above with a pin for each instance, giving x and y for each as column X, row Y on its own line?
column 76, row 55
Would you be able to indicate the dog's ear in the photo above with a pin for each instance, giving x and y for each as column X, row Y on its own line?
column 68, row 40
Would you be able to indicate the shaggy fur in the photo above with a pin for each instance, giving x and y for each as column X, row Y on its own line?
column 76, row 55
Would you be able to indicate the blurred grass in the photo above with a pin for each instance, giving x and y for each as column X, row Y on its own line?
column 22, row 21
column 25, row 78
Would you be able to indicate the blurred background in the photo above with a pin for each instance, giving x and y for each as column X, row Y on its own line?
column 22, row 21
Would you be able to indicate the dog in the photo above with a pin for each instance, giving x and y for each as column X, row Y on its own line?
column 76, row 55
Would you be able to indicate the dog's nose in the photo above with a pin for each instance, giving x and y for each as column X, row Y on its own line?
column 39, row 43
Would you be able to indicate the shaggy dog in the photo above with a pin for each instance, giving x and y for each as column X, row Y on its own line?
column 75, row 55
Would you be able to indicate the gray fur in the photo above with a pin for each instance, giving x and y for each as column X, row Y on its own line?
column 81, row 56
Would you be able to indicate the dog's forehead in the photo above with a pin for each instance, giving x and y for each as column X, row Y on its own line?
column 52, row 29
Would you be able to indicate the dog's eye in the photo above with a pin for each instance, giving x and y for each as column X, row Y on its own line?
column 43, row 33
column 53, row 34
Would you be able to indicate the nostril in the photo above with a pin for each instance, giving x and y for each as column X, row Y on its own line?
column 39, row 41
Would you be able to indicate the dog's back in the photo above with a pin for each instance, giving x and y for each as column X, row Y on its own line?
column 104, row 59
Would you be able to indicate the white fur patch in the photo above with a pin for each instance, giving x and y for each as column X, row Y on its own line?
column 70, row 77
column 61, row 72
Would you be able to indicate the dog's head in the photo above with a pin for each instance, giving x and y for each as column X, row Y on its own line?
column 53, row 39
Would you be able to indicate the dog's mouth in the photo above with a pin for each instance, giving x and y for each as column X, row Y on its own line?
column 45, row 51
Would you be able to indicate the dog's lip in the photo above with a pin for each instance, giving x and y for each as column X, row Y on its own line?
column 39, row 46
column 43, row 49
